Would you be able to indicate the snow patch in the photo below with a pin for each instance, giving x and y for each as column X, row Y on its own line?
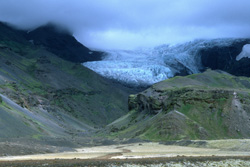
column 244, row 53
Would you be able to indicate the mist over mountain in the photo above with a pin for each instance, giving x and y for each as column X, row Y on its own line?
column 139, row 42
column 117, row 24
column 60, row 41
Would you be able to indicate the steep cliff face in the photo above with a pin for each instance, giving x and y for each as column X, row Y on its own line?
column 225, row 58
column 212, row 105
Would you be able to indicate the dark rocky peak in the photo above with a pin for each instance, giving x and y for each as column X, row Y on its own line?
column 52, row 28
column 60, row 41
column 10, row 33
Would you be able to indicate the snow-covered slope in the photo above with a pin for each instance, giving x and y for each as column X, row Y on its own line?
column 144, row 67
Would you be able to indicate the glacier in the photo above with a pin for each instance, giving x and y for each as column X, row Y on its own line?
column 140, row 67
column 146, row 66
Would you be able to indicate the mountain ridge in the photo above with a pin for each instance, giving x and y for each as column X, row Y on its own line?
column 54, row 38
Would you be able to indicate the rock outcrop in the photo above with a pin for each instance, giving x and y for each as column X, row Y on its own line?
column 211, row 105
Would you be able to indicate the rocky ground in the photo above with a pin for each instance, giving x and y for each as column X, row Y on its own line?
column 212, row 153
column 9, row 148
column 25, row 146
column 169, row 162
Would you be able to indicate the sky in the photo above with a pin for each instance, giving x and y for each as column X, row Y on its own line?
column 130, row 24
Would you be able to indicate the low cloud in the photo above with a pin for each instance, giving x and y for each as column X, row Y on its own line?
column 119, row 24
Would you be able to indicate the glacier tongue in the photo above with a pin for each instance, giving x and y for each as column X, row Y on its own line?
column 137, row 68
column 144, row 67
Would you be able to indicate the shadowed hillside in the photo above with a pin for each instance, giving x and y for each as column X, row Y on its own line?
column 44, row 95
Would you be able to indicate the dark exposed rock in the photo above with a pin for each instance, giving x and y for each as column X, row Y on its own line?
column 53, row 38
column 181, row 69
column 3, row 47
column 224, row 58
column 172, row 99
column 62, row 43
column 43, row 60
column 70, row 92
column 8, row 63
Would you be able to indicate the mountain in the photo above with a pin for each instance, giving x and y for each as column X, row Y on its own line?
column 46, row 97
column 49, row 100
column 151, row 65
column 53, row 38
column 62, row 43
column 209, row 105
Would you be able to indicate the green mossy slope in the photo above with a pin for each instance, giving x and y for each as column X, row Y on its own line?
column 73, row 99
column 211, row 105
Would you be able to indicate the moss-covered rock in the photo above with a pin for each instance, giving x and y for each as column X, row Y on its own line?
column 211, row 105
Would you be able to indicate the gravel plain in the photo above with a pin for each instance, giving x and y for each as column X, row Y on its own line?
column 215, row 153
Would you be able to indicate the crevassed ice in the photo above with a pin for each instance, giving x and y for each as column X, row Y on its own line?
column 145, row 67
column 137, row 72
column 244, row 53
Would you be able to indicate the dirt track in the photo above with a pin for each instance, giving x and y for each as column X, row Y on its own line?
column 132, row 151
column 140, row 154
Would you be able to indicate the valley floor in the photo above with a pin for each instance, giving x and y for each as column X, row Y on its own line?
column 217, row 152
column 147, row 162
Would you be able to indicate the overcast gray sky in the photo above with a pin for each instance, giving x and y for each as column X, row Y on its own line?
column 127, row 24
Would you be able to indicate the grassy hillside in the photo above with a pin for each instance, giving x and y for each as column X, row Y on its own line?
column 45, row 95
column 211, row 105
